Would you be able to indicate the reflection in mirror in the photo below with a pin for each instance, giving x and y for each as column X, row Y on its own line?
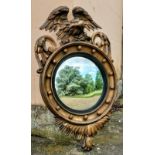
column 79, row 83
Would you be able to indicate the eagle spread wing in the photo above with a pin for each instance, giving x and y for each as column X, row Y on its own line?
column 56, row 19
column 80, row 14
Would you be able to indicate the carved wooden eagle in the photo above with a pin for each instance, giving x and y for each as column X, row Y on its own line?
column 73, row 30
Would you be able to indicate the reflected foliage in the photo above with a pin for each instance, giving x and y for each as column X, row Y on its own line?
column 98, row 81
column 70, row 82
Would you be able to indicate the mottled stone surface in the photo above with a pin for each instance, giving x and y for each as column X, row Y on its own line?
column 119, row 89
column 48, row 140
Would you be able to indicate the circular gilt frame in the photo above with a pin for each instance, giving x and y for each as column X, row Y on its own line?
column 104, row 77
column 48, row 92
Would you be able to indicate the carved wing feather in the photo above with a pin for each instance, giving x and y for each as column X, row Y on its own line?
column 55, row 19
column 89, row 19
column 80, row 14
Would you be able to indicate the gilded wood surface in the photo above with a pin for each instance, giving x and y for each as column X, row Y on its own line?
column 75, row 40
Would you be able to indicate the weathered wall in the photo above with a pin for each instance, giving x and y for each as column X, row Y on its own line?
column 107, row 13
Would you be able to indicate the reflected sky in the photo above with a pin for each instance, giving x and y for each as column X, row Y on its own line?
column 84, row 65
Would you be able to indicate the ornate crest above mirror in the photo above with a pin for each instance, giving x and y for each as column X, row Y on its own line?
column 77, row 78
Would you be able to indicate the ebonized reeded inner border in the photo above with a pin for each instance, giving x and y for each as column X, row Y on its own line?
column 104, row 77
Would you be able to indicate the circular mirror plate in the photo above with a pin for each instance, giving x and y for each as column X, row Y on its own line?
column 80, row 83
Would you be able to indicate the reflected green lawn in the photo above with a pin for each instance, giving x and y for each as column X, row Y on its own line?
column 94, row 93
column 82, row 102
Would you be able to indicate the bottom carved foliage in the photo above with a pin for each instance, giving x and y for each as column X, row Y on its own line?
column 82, row 132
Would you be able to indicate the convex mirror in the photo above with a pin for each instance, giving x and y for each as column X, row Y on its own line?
column 80, row 83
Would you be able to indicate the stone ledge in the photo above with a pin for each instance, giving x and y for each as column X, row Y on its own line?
column 48, row 140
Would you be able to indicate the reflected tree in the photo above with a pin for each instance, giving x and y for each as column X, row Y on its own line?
column 90, row 86
column 98, row 81
column 70, row 82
